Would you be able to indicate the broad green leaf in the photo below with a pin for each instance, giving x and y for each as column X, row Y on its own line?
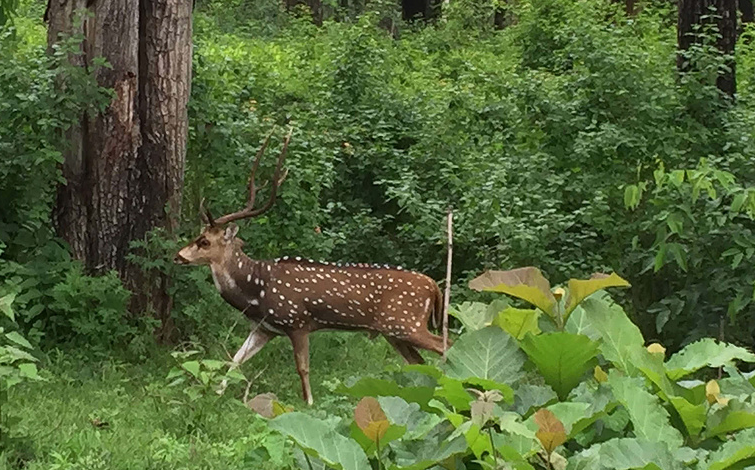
column 518, row 322
column 192, row 366
column 581, row 289
column 454, row 392
column 477, row 315
column 525, row 283
column 579, row 323
column 5, row 305
column 28, row 369
column 649, row 418
column 527, row 396
column 599, row 398
column 741, row 448
column 735, row 416
column 371, row 387
column 489, row 354
column 18, row 354
column 562, row 358
column 693, row 416
column 706, row 352
column 417, row 422
column 423, row 453
column 213, row 364
column 325, row 443
column 621, row 339
column 18, row 339
column 511, row 423
column 626, row 454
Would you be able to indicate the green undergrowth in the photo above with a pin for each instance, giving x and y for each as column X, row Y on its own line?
column 106, row 413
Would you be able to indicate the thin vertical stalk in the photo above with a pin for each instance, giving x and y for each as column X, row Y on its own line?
column 447, row 294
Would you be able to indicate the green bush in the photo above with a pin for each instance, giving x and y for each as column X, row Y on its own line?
column 577, row 389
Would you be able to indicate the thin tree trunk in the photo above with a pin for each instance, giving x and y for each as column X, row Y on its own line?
column 696, row 12
column 125, row 166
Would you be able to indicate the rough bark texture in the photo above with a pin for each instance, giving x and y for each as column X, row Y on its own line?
column 697, row 12
column 745, row 6
column 125, row 166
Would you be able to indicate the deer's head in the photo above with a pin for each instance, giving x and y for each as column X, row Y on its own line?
column 218, row 238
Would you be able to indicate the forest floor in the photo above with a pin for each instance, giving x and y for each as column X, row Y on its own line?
column 105, row 413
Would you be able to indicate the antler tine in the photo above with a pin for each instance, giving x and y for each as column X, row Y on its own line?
column 252, row 187
column 277, row 179
column 205, row 214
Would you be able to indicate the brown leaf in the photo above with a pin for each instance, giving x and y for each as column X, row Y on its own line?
column 526, row 283
column 551, row 432
column 370, row 418
column 264, row 405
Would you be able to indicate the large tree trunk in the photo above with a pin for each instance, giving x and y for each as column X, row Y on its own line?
column 692, row 13
column 125, row 165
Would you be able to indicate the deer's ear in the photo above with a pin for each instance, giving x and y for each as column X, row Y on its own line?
column 230, row 232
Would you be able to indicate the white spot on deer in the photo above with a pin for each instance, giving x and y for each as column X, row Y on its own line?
column 288, row 284
column 418, row 324
column 241, row 263
column 279, row 281
column 274, row 290
column 270, row 311
column 248, row 277
column 262, row 294
column 254, row 302
column 427, row 304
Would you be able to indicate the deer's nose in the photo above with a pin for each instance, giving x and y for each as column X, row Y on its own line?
column 178, row 259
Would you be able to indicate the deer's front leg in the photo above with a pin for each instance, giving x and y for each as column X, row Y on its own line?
column 252, row 345
column 300, row 342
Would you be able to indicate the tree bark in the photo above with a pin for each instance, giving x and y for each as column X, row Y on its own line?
column 697, row 12
column 124, row 167
column 745, row 6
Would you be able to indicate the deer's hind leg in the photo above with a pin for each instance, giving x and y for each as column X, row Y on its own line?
column 409, row 352
column 300, row 342
column 423, row 339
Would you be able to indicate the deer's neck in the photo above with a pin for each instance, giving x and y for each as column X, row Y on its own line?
column 240, row 279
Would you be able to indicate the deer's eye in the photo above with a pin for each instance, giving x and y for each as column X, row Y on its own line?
column 203, row 243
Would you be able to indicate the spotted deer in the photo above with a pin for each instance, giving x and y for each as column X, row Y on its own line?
column 295, row 297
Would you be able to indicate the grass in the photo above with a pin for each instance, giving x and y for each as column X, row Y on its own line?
column 153, row 426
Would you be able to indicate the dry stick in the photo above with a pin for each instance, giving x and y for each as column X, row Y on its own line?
column 447, row 294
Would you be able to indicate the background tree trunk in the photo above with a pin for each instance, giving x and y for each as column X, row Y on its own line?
column 125, row 166
column 692, row 13
column 745, row 6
